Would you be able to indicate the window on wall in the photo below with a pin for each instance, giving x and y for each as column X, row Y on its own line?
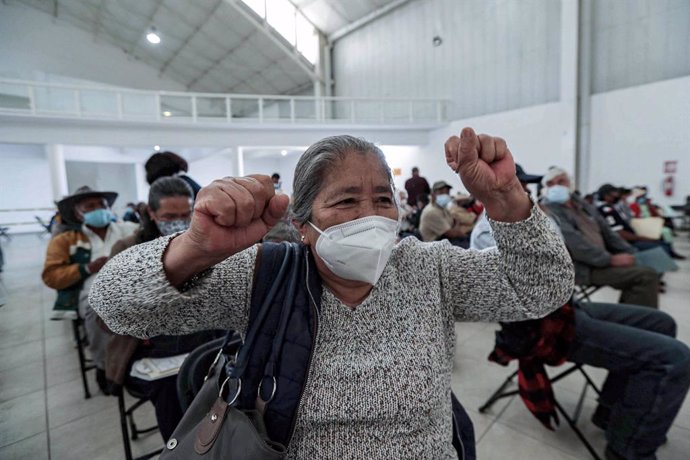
column 290, row 23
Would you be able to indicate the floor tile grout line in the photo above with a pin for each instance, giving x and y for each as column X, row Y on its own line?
column 493, row 422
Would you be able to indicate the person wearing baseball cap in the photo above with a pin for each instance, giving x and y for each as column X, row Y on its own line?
column 78, row 253
column 436, row 222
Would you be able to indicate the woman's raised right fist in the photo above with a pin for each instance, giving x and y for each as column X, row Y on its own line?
column 230, row 215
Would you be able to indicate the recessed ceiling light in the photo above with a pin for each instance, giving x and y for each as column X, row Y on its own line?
column 153, row 36
column 157, row 148
column 167, row 114
column 283, row 152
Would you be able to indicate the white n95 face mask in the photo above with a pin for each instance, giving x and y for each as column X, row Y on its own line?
column 358, row 250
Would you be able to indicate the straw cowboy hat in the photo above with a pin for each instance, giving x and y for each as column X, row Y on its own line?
column 66, row 205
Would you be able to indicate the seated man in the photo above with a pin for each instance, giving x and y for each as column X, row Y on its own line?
column 609, row 197
column 436, row 222
column 601, row 256
column 76, row 254
column 169, row 210
column 649, row 371
column 461, row 208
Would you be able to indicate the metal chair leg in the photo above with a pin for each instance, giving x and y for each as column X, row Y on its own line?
column 83, row 367
column 577, row 431
column 499, row 393
column 123, row 425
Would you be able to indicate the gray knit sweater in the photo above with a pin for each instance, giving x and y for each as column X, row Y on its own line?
column 379, row 383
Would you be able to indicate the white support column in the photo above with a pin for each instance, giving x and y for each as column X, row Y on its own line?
column 240, row 161
column 584, row 112
column 58, row 172
column 568, row 84
column 142, row 185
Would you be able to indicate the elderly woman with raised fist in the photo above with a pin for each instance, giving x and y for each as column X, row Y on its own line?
column 378, row 373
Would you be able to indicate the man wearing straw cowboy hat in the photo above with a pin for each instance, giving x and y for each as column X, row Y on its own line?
column 79, row 252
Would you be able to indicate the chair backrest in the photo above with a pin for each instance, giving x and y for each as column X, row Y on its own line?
column 43, row 224
column 195, row 367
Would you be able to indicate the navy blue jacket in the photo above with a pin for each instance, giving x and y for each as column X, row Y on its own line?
column 294, row 359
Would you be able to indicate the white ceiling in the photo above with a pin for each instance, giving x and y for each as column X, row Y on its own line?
column 206, row 45
column 332, row 15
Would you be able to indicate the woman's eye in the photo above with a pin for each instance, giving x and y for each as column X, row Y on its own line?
column 347, row 201
column 385, row 200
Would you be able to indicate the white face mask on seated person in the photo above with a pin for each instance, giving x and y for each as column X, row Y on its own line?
column 443, row 200
column 358, row 250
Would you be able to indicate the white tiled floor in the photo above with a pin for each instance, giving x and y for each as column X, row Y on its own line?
column 43, row 414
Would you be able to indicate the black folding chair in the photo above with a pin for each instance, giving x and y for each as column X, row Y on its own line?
column 127, row 424
column 85, row 364
column 583, row 293
column 502, row 392
column 46, row 227
column 3, row 233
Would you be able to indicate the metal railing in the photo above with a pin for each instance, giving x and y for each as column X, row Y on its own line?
column 20, row 97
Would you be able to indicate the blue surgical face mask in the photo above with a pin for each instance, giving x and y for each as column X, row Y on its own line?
column 168, row 227
column 98, row 218
column 443, row 200
column 557, row 194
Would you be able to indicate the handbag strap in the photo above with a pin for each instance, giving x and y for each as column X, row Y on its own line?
column 279, row 337
column 240, row 364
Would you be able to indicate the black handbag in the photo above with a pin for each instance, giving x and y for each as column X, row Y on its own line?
column 214, row 427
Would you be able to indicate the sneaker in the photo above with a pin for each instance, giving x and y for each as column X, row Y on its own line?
column 677, row 256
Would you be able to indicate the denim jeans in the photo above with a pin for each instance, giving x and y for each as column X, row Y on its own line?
column 649, row 372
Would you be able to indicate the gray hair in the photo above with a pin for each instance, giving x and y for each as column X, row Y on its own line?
column 318, row 160
column 165, row 187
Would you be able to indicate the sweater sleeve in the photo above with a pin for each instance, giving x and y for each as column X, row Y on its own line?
column 58, row 271
column 134, row 297
column 528, row 275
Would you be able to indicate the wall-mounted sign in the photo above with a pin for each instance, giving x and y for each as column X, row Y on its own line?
column 670, row 167
column 397, row 172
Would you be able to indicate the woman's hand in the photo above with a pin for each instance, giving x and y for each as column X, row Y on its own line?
column 487, row 170
column 230, row 215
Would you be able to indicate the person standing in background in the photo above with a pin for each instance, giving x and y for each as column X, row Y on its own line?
column 165, row 164
column 415, row 186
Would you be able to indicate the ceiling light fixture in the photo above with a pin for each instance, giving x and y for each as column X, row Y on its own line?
column 157, row 148
column 152, row 36
column 167, row 113
column 284, row 152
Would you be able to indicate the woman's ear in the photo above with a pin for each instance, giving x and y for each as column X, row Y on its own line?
column 303, row 231
column 152, row 216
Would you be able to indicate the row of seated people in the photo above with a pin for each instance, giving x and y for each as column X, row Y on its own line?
column 434, row 214
column 648, row 369
column 76, row 254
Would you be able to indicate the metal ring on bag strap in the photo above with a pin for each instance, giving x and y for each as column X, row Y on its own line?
column 273, row 392
column 239, row 389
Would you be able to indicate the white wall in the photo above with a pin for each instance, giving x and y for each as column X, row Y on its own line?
column 25, row 183
column 115, row 177
column 535, row 135
column 34, row 45
column 283, row 165
column 206, row 170
column 634, row 130
column 495, row 56
column 637, row 42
